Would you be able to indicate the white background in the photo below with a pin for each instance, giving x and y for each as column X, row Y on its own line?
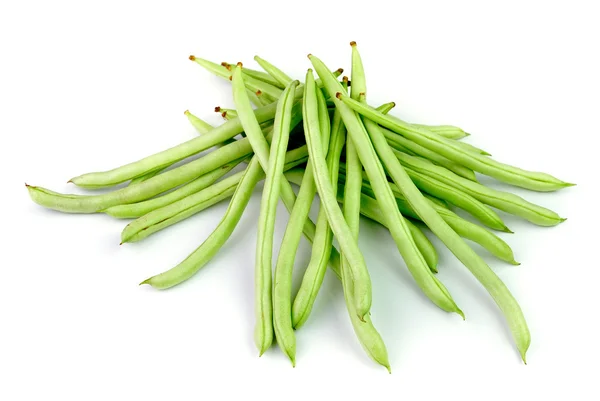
column 87, row 86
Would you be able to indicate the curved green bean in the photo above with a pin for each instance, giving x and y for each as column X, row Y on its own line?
column 349, row 247
column 167, row 157
column 317, row 266
column 144, row 190
column 281, row 77
column 266, row 223
column 134, row 210
column 447, row 131
column 504, row 201
column 482, row 272
column 174, row 212
column 415, row 261
column 395, row 139
column 512, row 175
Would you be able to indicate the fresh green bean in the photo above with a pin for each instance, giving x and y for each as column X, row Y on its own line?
column 416, row 263
column 266, row 223
column 317, row 266
column 504, row 201
column 165, row 158
column 447, row 131
column 470, row 148
column 260, row 75
column 258, row 101
column 455, row 196
column 486, row 276
column 144, row 190
column 134, row 210
column 281, row 77
column 362, row 288
column 513, row 175
column 416, row 149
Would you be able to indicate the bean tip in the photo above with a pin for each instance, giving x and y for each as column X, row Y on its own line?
column 562, row 220
column 70, row 181
column 187, row 112
column 231, row 77
column 393, row 104
column 224, row 114
column 192, row 57
column 515, row 263
column 460, row 313
column 389, row 368
column 340, row 70
column 147, row 281
column 239, row 64
column 217, row 109
column 309, row 55
column 353, row 43
column 345, row 78
column 569, row 184
column 338, row 95
column 226, row 65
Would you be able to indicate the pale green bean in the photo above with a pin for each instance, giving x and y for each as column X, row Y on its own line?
column 415, row 261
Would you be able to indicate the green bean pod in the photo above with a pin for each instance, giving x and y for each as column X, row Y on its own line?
column 486, row 276
column 281, row 77
column 348, row 245
column 416, row 149
column 415, row 261
column 535, row 181
column 447, row 131
column 504, row 201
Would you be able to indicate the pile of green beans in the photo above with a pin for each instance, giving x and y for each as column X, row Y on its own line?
column 322, row 136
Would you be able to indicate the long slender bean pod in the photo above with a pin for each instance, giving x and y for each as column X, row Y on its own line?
column 482, row 272
column 415, row 261
column 535, row 181
column 266, row 223
column 447, row 131
column 317, row 266
column 281, row 77
column 504, row 201
column 348, row 245
column 417, row 149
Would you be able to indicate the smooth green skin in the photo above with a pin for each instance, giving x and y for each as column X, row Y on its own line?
column 321, row 249
column 504, row 201
column 201, row 126
column 139, row 209
column 373, row 212
column 263, row 331
column 415, row 261
column 512, row 175
column 174, row 212
column 281, row 77
column 323, row 181
column 416, row 149
column 266, row 221
column 470, row 148
column 167, row 157
column 494, row 244
column 256, row 100
column 144, row 190
column 263, row 76
column 482, row 272
column 449, row 193
column 447, row 131
column 282, row 289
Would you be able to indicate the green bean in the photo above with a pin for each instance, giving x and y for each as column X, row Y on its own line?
column 486, row 276
column 266, row 223
column 386, row 107
column 174, row 212
column 450, row 193
column 447, row 131
column 464, row 228
column 526, row 179
column 416, row 263
column 258, row 101
column 279, row 76
column 321, row 249
column 362, row 286
column 416, row 149
column 145, row 190
column 139, row 209
column 229, row 113
column 165, row 158
column 504, row 201
column 470, row 148
column 260, row 75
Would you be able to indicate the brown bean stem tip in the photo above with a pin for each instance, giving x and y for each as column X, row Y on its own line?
column 192, row 57
column 187, row 112
column 217, row 109
column 340, row 70
column 224, row 114
column 239, row 64
column 309, row 55
column 338, row 95
column 353, row 43
column 231, row 77
column 258, row 92
column 362, row 94
column 345, row 78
